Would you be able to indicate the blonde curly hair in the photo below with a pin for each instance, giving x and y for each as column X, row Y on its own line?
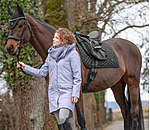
column 66, row 36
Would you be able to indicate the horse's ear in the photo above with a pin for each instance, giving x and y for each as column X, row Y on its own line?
column 9, row 10
column 19, row 10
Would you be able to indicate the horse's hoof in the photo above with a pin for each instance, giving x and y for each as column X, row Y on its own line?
column 134, row 125
column 84, row 128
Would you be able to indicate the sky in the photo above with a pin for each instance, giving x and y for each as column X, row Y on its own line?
column 109, row 97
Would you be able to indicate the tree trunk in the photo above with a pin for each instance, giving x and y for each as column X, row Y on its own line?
column 97, row 122
column 102, row 108
column 88, row 110
column 33, row 108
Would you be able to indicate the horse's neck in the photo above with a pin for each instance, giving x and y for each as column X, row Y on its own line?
column 42, row 36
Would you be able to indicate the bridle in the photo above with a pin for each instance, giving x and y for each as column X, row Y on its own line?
column 21, row 38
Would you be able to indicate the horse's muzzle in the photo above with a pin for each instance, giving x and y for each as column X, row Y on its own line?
column 11, row 51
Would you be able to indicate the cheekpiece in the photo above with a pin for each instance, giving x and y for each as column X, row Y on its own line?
column 14, row 19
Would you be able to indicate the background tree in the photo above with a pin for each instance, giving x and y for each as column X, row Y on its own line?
column 29, row 93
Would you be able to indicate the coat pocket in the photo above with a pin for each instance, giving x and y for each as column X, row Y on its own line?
column 50, row 93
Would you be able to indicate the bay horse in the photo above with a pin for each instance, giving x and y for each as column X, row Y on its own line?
column 40, row 35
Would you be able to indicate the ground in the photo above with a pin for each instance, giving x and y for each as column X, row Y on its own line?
column 117, row 123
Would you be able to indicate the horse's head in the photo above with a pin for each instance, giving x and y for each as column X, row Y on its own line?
column 19, row 31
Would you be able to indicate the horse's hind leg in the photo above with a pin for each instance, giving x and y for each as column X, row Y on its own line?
column 80, row 112
column 133, row 86
column 118, row 90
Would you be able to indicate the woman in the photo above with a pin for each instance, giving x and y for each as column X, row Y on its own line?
column 64, row 69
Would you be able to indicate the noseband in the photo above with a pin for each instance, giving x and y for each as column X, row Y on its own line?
column 11, row 26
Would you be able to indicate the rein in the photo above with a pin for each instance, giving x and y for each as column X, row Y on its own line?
column 21, row 40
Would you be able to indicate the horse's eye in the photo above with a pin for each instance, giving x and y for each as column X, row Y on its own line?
column 20, row 26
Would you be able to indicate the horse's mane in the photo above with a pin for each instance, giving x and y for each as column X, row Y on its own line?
column 42, row 22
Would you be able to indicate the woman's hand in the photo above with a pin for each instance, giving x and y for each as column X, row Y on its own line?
column 20, row 64
column 74, row 99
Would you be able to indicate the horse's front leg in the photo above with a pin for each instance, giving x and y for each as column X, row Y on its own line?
column 80, row 112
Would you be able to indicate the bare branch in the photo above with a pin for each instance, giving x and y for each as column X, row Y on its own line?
column 130, row 26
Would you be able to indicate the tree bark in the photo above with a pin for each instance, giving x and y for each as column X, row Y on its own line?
column 33, row 108
column 102, row 108
column 88, row 109
column 97, row 122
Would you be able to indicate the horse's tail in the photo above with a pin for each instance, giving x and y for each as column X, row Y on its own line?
column 140, row 119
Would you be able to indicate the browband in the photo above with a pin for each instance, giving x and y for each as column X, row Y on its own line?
column 13, row 22
column 17, row 18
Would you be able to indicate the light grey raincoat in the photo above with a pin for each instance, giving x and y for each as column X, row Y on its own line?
column 64, row 78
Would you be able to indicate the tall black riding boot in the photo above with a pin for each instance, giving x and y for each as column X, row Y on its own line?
column 125, row 124
column 60, row 127
column 66, row 125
